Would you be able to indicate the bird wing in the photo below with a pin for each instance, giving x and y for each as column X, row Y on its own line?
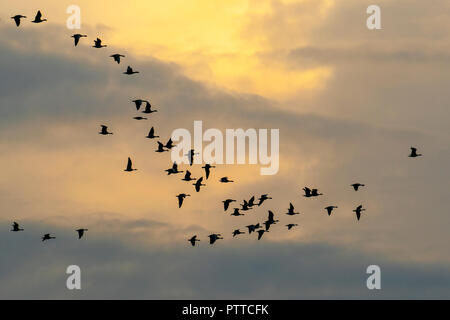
column 129, row 164
column 291, row 207
column 17, row 20
column 180, row 201
column 38, row 16
column 152, row 132
column 129, row 69
column 270, row 216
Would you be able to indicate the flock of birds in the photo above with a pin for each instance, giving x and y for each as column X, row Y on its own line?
column 258, row 228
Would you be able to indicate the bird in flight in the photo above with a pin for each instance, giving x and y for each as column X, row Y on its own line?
column 169, row 145
column 117, row 57
column 311, row 193
column 207, row 168
column 81, row 232
column 139, row 118
column 251, row 202
column 291, row 225
column 291, row 210
column 237, row 232
column 104, row 130
column 181, row 198
column 330, row 209
column 151, row 134
column 160, row 147
column 17, row 18
column 38, row 18
column 263, row 198
column 16, row 227
column 138, row 103
column 187, row 176
column 173, row 170
column 253, row 227
column 356, row 186
column 130, row 71
column 198, row 184
column 260, row 233
column 77, row 36
column 190, row 156
column 225, row 180
column 47, row 237
column 148, row 108
column 213, row 237
column 270, row 221
column 129, row 166
column 414, row 153
column 358, row 211
column 245, row 206
column 236, row 213
column 98, row 44
column 226, row 203
column 193, row 240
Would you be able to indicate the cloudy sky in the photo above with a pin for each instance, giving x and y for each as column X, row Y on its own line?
column 348, row 101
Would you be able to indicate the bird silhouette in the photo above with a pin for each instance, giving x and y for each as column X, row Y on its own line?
column 226, row 203
column 16, row 228
column 173, row 170
column 104, row 130
column 138, row 103
column 117, row 57
column 169, row 145
column 160, row 148
column 130, row 166
column 76, row 38
column 17, row 18
column 291, row 210
column 187, row 176
column 207, row 168
column 253, row 227
column 270, row 220
column 47, row 237
column 245, row 206
column 130, row 71
column 263, row 198
column 190, row 156
column 81, row 232
column 98, row 44
column 38, row 18
column 237, row 232
column 151, row 134
column 236, row 213
column 358, row 211
column 291, row 225
column 181, row 198
column 356, row 186
column 414, row 153
column 225, row 180
column 314, row 193
column 330, row 209
column 148, row 108
column 261, row 232
column 213, row 237
column 307, row 192
column 193, row 240
column 251, row 202
column 139, row 118
column 198, row 184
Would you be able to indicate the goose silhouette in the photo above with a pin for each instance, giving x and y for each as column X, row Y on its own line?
column 81, row 232
column 190, row 156
column 207, row 168
column 253, row 227
column 130, row 71
column 160, row 148
column 104, row 130
column 139, row 118
column 151, row 134
column 130, row 166
column 38, row 18
column 291, row 210
column 245, row 206
column 193, row 240
column 356, row 186
column 138, row 103
column 76, row 38
column 358, row 211
column 237, row 232
column 181, row 198
column 47, row 237
column 225, row 180
column 16, row 227
column 173, row 170
column 169, row 145
column 226, row 203
column 236, row 213
column 263, row 198
column 414, row 153
column 17, row 18
column 330, row 209
column 148, row 108
column 187, row 176
column 261, row 232
column 291, row 225
column 251, row 202
column 214, row 237
column 117, row 57
column 198, row 184
column 98, row 44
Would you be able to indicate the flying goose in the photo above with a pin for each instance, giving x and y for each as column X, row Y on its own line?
column 253, row 227
column 17, row 18
column 236, row 213
column 16, row 228
column 151, row 134
column 148, row 108
column 261, row 232
column 263, row 198
column 290, row 225
column 81, row 232
column 77, row 36
column 291, row 210
column 169, row 144
column 193, row 240
column 190, row 156
column 130, row 71
column 213, row 237
column 181, row 197
column 207, row 168
column 226, row 203
column 47, row 237
column 139, row 118
column 160, row 147
column 330, row 209
column 414, row 153
column 173, row 170
column 225, row 180
column 237, row 232
column 130, row 166
column 358, row 211
column 104, row 130
column 138, row 103
column 187, row 176
column 98, row 43
column 198, row 184
column 356, row 186
column 117, row 57
column 38, row 19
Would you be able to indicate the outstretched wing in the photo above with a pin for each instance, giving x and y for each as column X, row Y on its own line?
column 129, row 164
column 38, row 16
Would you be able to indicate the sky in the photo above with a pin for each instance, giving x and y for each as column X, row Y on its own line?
column 349, row 103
